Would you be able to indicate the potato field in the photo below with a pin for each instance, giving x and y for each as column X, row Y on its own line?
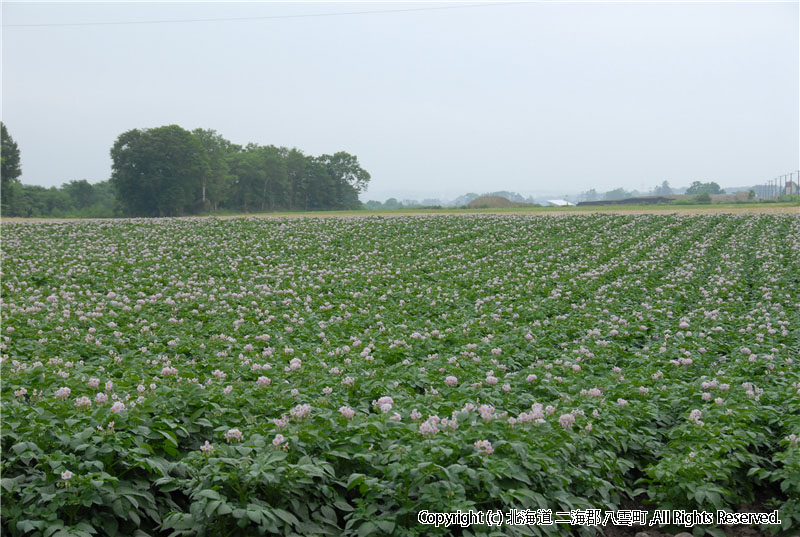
column 336, row 376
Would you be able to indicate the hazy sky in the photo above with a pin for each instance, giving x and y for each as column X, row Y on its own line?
column 540, row 98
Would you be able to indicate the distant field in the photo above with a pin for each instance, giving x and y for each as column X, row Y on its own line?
column 721, row 208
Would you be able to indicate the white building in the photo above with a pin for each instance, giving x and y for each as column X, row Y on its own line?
column 559, row 203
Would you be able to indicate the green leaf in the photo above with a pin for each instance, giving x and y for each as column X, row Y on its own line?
column 354, row 480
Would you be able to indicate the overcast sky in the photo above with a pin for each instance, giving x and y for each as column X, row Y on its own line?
column 540, row 98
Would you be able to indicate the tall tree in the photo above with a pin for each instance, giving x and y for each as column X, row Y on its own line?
column 158, row 172
column 80, row 192
column 216, row 183
column 275, row 189
column 704, row 188
column 617, row 194
column 296, row 171
column 9, row 169
column 345, row 168
column 249, row 176
column 663, row 190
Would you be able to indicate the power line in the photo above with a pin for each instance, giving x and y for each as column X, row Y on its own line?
column 267, row 17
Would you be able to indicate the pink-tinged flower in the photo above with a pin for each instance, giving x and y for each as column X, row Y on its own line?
column 683, row 325
column 566, row 421
column 207, row 448
column 706, row 396
column 281, row 422
column 531, row 378
column 168, row 370
column 295, row 364
column 101, row 398
column 347, row 412
column 109, row 386
column 643, row 390
column 66, row 475
column 327, row 390
column 589, row 427
column 385, row 400
column 301, row 411
column 428, row 428
column 416, row 414
column 396, row 417
column 451, row 381
column 83, row 402
column 117, row 407
column 228, row 389
column 386, row 408
column 295, row 392
column 22, row 392
column 62, row 393
column 263, row 381
column 234, row 435
column 506, row 387
column 483, row 447
column 695, row 416
column 94, row 382
column 486, row 412
column 622, row 402
column 278, row 440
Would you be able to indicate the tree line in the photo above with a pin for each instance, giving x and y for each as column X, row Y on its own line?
column 170, row 171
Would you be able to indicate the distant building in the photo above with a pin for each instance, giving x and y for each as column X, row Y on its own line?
column 559, row 203
column 791, row 188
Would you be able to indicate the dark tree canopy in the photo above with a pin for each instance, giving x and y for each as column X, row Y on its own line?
column 704, row 188
column 158, row 172
column 9, row 168
column 169, row 171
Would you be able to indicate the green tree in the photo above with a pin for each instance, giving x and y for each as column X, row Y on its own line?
column 590, row 195
column 297, row 173
column 346, row 179
column 345, row 168
column 275, row 185
column 617, row 194
column 663, row 190
column 158, row 172
column 10, row 169
column 216, row 183
column 80, row 192
column 249, row 176
column 704, row 188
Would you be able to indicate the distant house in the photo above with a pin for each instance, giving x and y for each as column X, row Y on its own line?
column 559, row 203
